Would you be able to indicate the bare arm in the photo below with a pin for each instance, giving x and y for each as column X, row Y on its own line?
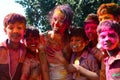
column 89, row 74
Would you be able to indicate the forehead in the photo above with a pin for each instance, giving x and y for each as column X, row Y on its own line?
column 107, row 30
column 58, row 13
column 77, row 37
column 18, row 24
column 92, row 24
column 106, row 16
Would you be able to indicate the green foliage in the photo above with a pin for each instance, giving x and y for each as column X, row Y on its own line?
column 37, row 10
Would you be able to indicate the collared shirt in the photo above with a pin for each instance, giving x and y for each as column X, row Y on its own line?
column 113, row 67
column 87, row 61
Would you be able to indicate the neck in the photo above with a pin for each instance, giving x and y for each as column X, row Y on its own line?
column 113, row 52
column 13, row 45
column 92, row 43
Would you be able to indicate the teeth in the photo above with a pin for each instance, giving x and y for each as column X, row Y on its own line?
column 74, row 46
column 33, row 45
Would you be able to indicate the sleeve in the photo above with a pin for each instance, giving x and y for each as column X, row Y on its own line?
column 92, row 63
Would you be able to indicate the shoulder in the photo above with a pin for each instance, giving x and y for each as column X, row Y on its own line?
column 3, row 53
column 88, row 56
column 3, row 47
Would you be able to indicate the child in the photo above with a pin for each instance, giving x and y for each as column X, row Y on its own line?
column 60, row 19
column 109, row 37
column 81, row 56
column 35, row 66
column 109, row 11
column 82, row 62
column 12, row 52
column 90, row 26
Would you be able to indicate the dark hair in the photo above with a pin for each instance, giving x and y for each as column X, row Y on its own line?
column 111, row 24
column 78, row 32
column 31, row 31
column 91, row 18
column 12, row 18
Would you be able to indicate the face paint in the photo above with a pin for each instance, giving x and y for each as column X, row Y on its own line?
column 90, row 30
column 108, row 39
column 77, row 44
column 57, row 23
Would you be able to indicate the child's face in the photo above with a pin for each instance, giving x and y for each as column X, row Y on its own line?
column 90, row 30
column 106, row 17
column 15, row 32
column 57, row 22
column 108, row 39
column 77, row 44
column 32, row 42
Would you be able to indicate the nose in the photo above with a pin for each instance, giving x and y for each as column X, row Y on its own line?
column 89, row 30
column 15, row 30
column 56, row 23
column 107, row 38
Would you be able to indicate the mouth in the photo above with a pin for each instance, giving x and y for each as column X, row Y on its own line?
column 107, row 44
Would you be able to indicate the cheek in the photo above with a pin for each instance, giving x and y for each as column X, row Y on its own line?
column 63, row 28
column 22, row 32
column 100, row 41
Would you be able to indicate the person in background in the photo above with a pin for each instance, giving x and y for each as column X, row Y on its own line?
column 12, row 51
column 108, row 38
column 60, row 19
column 90, row 26
column 109, row 11
column 35, row 65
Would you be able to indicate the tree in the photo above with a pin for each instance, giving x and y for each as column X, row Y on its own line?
column 37, row 10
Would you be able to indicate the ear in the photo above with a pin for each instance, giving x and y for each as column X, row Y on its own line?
column 5, row 31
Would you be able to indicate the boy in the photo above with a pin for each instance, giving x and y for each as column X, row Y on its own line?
column 90, row 26
column 83, row 64
column 12, row 52
column 109, row 37
column 35, row 65
column 109, row 11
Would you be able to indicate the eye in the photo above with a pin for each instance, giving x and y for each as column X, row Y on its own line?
column 20, row 27
column 112, row 35
column 102, row 36
column 86, row 28
column 10, row 26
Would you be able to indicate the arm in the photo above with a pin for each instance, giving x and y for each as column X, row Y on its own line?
column 89, row 74
column 25, row 70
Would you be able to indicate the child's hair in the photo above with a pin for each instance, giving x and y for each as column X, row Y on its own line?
column 78, row 32
column 108, row 8
column 12, row 18
column 31, row 31
column 111, row 24
column 65, row 9
column 91, row 18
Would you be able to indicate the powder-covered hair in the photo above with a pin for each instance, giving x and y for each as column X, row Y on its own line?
column 12, row 18
column 65, row 9
column 109, row 24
